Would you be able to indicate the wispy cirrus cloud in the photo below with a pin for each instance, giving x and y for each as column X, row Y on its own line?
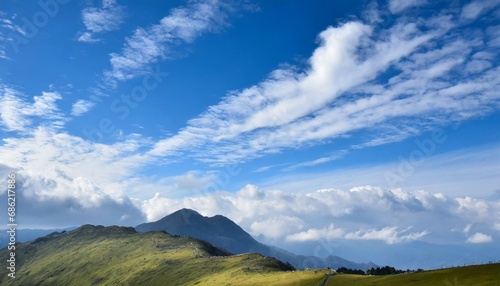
column 149, row 45
column 7, row 26
column 81, row 106
column 100, row 20
column 391, row 83
column 474, row 9
column 398, row 6
column 17, row 112
column 319, row 161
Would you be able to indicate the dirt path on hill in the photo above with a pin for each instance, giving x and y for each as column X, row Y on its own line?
column 323, row 283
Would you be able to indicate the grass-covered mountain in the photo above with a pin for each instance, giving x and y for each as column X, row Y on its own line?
column 476, row 275
column 97, row 255
column 224, row 233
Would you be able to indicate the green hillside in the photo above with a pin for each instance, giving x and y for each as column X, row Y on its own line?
column 478, row 275
column 96, row 255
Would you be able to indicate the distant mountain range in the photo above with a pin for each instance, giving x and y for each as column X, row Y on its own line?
column 224, row 233
column 407, row 255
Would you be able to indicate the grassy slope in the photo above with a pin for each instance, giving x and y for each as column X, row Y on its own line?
column 479, row 275
column 119, row 256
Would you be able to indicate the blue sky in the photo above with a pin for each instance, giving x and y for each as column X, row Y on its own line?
column 300, row 120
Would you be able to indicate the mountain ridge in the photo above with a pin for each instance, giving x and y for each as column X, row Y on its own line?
column 113, row 255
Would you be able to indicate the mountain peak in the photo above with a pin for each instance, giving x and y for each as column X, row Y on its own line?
column 185, row 213
column 186, row 210
column 218, row 230
column 181, row 218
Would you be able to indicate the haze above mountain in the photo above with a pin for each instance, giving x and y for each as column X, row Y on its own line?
column 224, row 233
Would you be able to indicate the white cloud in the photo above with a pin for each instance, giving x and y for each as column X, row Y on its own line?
column 474, row 9
column 344, row 89
column 100, row 20
column 398, row 6
column 81, row 106
column 479, row 237
column 149, row 45
column 43, row 148
column 87, row 37
column 89, row 177
column 361, row 213
column 267, row 168
column 433, row 82
column 477, row 66
column 54, row 199
column 7, row 27
column 8, row 24
column 314, row 234
column 467, row 228
column 190, row 181
column 476, row 206
column 276, row 226
column 494, row 36
column 497, row 226
column 390, row 235
column 17, row 113
column 318, row 161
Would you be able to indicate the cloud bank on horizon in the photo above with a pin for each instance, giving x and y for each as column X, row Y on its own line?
column 382, row 79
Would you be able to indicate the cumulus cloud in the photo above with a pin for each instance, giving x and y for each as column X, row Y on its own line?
column 479, row 237
column 276, row 226
column 472, row 205
column 100, row 20
column 361, row 213
column 346, row 88
column 54, row 199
